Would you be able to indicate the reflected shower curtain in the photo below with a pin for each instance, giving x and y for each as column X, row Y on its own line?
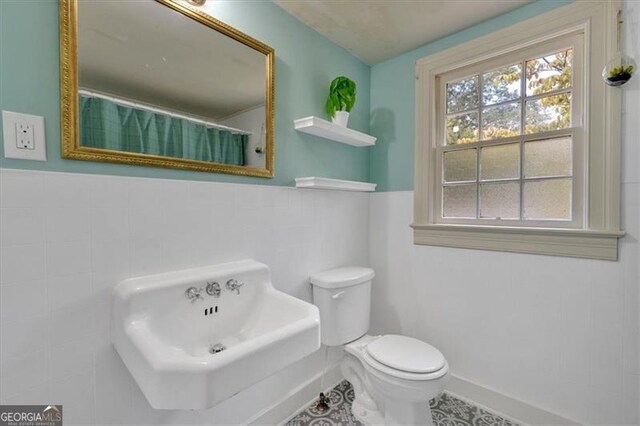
column 107, row 125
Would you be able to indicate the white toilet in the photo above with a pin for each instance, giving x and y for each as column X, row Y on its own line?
column 393, row 377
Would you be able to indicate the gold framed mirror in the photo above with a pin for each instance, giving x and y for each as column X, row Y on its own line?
column 161, row 83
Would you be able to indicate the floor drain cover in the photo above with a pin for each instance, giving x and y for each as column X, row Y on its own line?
column 218, row 347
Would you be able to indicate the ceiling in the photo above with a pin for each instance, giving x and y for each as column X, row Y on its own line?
column 147, row 52
column 377, row 30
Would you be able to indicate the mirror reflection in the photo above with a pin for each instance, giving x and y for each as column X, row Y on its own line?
column 153, row 81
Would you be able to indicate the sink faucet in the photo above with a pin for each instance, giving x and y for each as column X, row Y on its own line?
column 213, row 289
column 193, row 294
column 234, row 285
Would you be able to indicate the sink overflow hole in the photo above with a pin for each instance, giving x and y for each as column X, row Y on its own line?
column 211, row 310
column 218, row 347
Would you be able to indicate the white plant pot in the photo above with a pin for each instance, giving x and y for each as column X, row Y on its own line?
column 340, row 118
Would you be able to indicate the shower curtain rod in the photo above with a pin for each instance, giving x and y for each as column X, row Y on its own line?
column 126, row 103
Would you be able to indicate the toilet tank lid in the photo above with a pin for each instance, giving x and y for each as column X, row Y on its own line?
column 342, row 277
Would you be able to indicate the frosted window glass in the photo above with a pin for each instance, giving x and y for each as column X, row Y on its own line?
column 550, row 157
column 459, row 201
column 500, row 200
column 500, row 162
column 548, row 199
column 460, row 166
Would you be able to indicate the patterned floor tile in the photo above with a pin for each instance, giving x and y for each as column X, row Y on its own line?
column 446, row 410
column 339, row 413
column 449, row 410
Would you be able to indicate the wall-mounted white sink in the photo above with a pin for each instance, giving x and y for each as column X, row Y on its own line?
column 168, row 340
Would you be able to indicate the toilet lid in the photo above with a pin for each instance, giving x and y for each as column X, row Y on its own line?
column 406, row 354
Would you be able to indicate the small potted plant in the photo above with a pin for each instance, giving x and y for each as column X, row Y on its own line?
column 619, row 75
column 619, row 70
column 342, row 97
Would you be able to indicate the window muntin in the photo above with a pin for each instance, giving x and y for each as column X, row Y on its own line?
column 509, row 159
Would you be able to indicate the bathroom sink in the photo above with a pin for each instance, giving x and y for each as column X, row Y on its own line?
column 188, row 349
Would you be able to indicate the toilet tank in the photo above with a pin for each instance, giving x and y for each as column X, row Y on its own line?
column 343, row 297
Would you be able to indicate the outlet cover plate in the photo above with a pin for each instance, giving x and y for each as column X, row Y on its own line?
column 36, row 149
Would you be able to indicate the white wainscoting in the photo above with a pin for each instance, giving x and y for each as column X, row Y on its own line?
column 557, row 333
column 67, row 239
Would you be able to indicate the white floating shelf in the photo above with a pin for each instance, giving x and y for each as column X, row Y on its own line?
column 336, row 184
column 326, row 129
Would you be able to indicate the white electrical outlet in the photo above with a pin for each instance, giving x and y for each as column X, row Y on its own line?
column 23, row 136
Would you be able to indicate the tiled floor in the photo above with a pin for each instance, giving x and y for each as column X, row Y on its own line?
column 445, row 409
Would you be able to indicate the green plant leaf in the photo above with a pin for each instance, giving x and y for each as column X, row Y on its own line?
column 328, row 107
column 332, row 87
column 344, row 92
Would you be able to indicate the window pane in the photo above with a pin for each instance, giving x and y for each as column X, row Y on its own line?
column 551, row 157
column 459, row 201
column 548, row 199
column 462, row 95
column 549, row 113
column 500, row 200
column 500, row 162
column 549, row 73
column 460, row 166
column 501, row 121
column 462, row 128
column 501, row 85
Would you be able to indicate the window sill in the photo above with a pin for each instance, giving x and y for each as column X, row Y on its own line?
column 588, row 244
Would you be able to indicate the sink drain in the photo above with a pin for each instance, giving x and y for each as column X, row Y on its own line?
column 218, row 347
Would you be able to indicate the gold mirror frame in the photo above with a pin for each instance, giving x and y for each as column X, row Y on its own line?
column 70, row 143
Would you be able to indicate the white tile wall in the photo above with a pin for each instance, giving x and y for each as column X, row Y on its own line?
column 67, row 239
column 557, row 333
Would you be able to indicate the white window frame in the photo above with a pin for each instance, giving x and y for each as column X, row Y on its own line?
column 595, row 228
column 572, row 41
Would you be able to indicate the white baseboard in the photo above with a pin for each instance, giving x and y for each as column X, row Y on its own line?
column 521, row 412
column 511, row 408
column 298, row 398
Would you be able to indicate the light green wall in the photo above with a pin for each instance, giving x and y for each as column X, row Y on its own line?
column 393, row 99
column 306, row 62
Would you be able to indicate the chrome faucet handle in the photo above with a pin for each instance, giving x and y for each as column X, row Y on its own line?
column 193, row 294
column 213, row 288
column 234, row 285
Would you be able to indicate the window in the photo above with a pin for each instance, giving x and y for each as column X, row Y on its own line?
column 508, row 127
column 506, row 138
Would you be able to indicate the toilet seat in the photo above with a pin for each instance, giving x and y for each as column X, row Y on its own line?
column 359, row 348
column 406, row 354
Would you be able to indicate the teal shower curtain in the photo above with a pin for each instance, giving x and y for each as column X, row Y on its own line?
column 107, row 125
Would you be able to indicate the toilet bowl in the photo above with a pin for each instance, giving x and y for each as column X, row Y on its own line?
column 393, row 376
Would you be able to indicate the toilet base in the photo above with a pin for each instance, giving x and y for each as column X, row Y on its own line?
column 366, row 415
column 408, row 414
